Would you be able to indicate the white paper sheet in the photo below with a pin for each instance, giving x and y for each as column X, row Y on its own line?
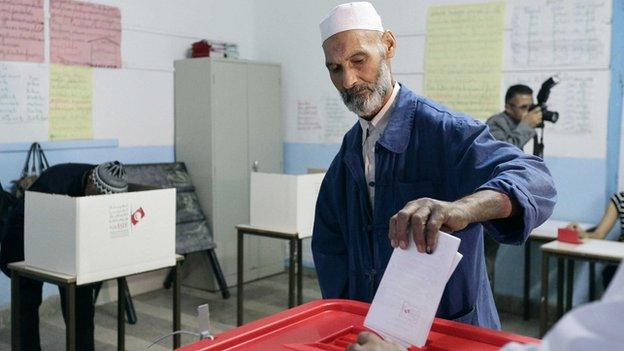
column 410, row 291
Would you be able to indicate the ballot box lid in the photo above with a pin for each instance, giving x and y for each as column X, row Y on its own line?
column 327, row 325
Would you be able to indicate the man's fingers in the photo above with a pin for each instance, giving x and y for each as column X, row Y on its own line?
column 417, row 224
column 392, row 232
column 355, row 347
column 364, row 337
column 436, row 220
column 402, row 223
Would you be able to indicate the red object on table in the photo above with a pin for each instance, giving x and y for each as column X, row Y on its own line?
column 332, row 325
column 568, row 235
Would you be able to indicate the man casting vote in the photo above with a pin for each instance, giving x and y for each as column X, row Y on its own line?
column 409, row 168
column 70, row 179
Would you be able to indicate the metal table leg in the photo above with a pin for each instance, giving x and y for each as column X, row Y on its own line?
column 239, row 280
column 569, row 285
column 176, row 303
column 299, row 272
column 291, row 273
column 527, row 280
column 592, row 281
column 70, row 311
column 544, row 297
column 121, row 323
column 560, row 273
column 15, row 312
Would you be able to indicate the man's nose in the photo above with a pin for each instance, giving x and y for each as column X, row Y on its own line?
column 349, row 79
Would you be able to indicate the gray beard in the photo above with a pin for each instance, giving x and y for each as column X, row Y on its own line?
column 365, row 107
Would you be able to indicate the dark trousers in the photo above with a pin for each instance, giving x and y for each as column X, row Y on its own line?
column 30, row 294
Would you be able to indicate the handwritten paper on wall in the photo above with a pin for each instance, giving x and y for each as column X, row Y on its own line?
column 560, row 33
column 583, row 111
column 70, row 102
column 23, row 102
column 338, row 119
column 464, row 57
column 85, row 34
column 21, row 30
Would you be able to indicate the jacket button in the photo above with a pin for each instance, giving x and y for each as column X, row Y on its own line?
column 371, row 184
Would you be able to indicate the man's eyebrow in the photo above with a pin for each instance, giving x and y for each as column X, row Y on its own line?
column 361, row 52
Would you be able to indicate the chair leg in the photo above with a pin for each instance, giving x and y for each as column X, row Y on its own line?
column 169, row 279
column 96, row 291
column 216, row 268
column 130, row 311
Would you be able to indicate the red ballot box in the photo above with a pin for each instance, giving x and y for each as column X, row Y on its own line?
column 332, row 325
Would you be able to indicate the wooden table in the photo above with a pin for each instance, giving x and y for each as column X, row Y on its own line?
column 592, row 250
column 294, row 268
column 545, row 233
column 68, row 282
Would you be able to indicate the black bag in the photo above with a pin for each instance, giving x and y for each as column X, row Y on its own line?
column 7, row 200
column 36, row 162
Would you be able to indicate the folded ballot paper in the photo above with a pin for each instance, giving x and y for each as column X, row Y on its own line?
column 410, row 291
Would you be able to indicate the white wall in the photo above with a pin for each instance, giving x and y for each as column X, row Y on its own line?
column 134, row 104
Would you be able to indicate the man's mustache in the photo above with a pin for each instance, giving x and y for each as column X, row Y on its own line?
column 351, row 93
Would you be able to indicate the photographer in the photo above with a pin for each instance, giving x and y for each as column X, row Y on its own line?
column 516, row 125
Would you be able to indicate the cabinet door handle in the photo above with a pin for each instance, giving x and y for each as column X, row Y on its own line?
column 255, row 166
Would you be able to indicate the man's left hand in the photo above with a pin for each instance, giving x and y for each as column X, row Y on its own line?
column 426, row 217
column 370, row 342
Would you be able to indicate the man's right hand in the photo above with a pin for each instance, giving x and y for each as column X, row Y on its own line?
column 534, row 117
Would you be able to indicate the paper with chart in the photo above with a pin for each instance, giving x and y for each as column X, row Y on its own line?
column 582, row 104
column 410, row 291
column 571, row 33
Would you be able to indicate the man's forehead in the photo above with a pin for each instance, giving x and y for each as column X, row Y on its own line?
column 348, row 42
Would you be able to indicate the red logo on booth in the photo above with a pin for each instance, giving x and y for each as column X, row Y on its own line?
column 137, row 216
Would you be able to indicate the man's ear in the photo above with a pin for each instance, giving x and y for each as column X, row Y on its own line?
column 388, row 40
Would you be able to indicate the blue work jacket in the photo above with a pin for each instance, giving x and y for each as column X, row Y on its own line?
column 429, row 151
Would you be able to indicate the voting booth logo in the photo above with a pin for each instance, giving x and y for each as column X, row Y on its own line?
column 137, row 216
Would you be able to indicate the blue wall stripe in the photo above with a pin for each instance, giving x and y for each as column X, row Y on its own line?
column 614, row 125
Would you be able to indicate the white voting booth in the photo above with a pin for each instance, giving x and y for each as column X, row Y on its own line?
column 100, row 237
column 284, row 202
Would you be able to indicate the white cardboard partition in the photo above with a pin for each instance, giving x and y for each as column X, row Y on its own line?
column 100, row 237
column 284, row 202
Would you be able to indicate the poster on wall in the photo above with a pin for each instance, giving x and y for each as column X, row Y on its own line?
column 85, row 34
column 464, row 57
column 573, row 33
column 23, row 102
column 583, row 111
column 21, row 30
column 321, row 121
column 71, row 94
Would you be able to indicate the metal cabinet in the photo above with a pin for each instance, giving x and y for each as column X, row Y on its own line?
column 227, row 124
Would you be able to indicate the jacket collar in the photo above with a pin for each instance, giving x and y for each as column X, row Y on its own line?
column 396, row 136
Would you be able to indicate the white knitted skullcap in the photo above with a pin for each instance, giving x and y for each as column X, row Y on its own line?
column 354, row 15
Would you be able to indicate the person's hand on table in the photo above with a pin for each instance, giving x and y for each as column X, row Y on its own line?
column 574, row 226
column 367, row 341
column 581, row 233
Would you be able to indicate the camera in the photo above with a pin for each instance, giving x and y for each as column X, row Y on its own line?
column 542, row 98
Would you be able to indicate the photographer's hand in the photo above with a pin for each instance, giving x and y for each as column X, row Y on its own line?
column 533, row 118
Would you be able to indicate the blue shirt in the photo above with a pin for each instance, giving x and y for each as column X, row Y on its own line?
column 430, row 151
